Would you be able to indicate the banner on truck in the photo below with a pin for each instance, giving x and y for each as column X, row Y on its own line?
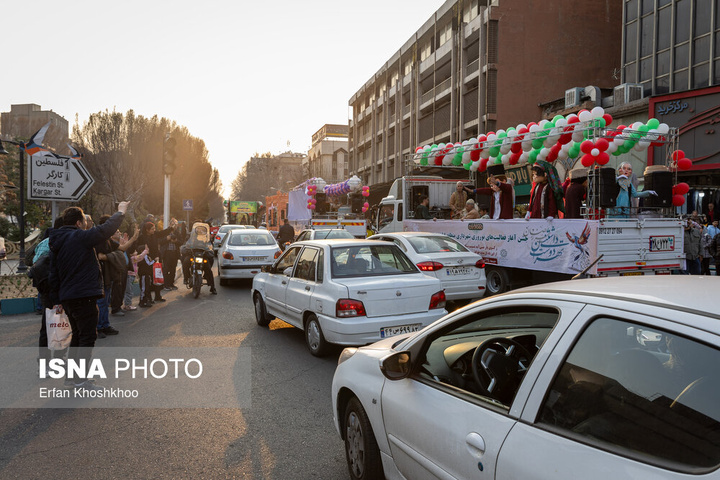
column 563, row 246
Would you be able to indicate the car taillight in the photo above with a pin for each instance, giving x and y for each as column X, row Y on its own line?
column 438, row 300
column 217, row 237
column 480, row 264
column 346, row 307
column 429, row 266
column 278, row 253
column 227, row 255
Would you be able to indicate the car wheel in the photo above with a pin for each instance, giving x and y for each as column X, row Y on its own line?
column 223, row 282
column 261, row 315
column 314, row 338
column 361, row 449
column 497, row 281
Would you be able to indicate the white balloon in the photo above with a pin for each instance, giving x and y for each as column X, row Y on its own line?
column 522, row 125
column 526, row 145
column 492, row 137
column 535, row 128
column 618, row 140
column 637, row 125
column 653, row 135
column 474, row 166
column 504, row 148
column 506, row 159
column 354, row 183
column 597, row 112
column 466, row 157
column 585, row 116
column 663, row 128
column 595, row 152
column 524, row 156
column 561, row 122
column 571, row 116
column 563, row 154
column 484, row 154
column 500, row 132
column 577, row 137
column 612, row 147
column 447, row 160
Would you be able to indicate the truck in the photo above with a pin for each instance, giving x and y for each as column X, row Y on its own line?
column 519, row 252
column 337, row 217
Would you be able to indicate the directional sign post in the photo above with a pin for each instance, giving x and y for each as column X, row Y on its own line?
column 56, row 177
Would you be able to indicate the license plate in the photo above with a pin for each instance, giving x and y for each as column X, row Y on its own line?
column 253, row 259
column 628, row 274
column 386, row 332
column 455, row 271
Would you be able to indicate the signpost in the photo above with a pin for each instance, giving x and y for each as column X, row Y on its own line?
column 188, row 207
column 57, row 178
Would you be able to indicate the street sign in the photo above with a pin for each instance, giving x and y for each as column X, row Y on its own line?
column 57, row 177
column 188, row 205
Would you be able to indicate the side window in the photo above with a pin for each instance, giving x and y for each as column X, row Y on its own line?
column 301, row 237
column 306, row 264
column 321, row 266
column 640, row 392
column 487, row 354
column 288, row 259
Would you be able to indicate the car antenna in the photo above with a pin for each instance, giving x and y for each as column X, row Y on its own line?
column 582, row 274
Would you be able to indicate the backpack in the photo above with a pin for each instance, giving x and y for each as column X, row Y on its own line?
column 40, row 272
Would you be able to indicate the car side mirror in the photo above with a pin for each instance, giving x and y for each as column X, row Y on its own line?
column 396, row 366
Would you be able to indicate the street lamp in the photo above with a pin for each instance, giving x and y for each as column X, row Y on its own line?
column 21, row 156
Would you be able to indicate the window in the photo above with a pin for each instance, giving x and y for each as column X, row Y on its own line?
column 369, row 261
column 445, row 34
column 407, row 68
column 306, row 264
column 487, row 354
column 640, row 392
column 470, row 11
column 426, row 50
column 435, row 244
column 287, row 260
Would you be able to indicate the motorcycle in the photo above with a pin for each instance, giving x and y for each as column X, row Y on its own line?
column 197, row 270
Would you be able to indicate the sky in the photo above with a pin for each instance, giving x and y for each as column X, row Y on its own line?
column 243, row 76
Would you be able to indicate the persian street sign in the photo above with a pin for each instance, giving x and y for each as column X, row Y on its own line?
column 188, row 205
column 56, row 177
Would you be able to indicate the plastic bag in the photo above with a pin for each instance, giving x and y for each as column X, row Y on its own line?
column 158, row 278
column 59, row 332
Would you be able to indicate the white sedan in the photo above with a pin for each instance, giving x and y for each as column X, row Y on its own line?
column 461, row 271
column 347, row 292
column 243, row 253
column 592, row 379
column 222, row 231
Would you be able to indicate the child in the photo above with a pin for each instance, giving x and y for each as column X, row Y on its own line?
column 132, row 274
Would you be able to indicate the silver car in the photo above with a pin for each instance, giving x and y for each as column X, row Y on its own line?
column 243, row 253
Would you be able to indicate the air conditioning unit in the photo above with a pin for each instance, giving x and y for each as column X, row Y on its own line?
column 573, row 97
column 626, row 93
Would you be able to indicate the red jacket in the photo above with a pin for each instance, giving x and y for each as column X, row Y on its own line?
column 506, row 200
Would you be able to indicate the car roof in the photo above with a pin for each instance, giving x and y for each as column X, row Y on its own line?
column 692, row 293
column 411, row 234
column 342, row 242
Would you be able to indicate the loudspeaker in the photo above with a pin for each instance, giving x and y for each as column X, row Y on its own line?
column 601, row 181
column 415, row 193
column 356, row 203
column 662, row 183
column 321, row 205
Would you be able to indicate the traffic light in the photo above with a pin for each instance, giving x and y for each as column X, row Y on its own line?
column 169, row 155
column 321, row 205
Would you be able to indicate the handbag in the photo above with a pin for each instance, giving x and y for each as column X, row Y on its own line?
column 158, row 278
column 59, row 332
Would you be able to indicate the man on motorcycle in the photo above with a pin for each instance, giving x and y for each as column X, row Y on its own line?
column 199, row 241
column 286, row 234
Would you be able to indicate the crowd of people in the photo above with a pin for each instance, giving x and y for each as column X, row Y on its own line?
column 87, row 269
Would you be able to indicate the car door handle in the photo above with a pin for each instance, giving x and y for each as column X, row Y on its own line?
column 307, row 287
column 476, row 444
column 284, row 282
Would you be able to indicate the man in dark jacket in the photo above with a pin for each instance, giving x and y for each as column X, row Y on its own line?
column 76, row 279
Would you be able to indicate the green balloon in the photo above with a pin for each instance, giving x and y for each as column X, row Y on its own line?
column 494, row 151
column 574, row 151
column 537, row 143
column 556, row 118
column 643, row 128
column 457, row 159
column 601, row 122
column 467, row 166
column 653, row 123
column 532, row 156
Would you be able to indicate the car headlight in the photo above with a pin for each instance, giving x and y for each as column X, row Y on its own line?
column 346, row 354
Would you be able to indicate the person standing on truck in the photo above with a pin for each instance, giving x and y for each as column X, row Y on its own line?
column 575, row 192
column 501, row 196
column 423, row 212
column 546, row 196
column 457, row 201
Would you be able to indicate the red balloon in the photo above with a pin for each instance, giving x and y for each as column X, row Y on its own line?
column 572, row 120
column 681, row 188
column 514, row 158
column 601, row 144
column 483, row 164
column 677, row 155
column 418, row 149
column 678, row 200
column 552, row 156
column 439, row 159
column 522, row 130
column 516, row 147
column 475, row 154
column 684, row 164
column 608, row 119
column 565, row 138
column 603, row 158
column 587, row 160
column 587, row 146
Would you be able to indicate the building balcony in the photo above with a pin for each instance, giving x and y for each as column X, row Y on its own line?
column 407, row 79
column 472, row 70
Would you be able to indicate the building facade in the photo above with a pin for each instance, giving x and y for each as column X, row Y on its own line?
column 328, row 155
column 477, row 66
column 24, row 120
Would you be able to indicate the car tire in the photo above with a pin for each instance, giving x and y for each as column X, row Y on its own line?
column 261, row 316
column 314, row 338
column 496, row 281
column 361, row 448
column 223, row 282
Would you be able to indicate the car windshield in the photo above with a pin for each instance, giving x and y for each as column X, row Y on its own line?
column 238, row 239
column 361, row 261
column 332, row 233
column 435, row 244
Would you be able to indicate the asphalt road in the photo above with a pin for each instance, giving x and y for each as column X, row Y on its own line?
column 286, row 433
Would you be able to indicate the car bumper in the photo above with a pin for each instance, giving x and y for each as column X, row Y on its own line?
column 364, row 330
column 464, row 292
column 229, row 272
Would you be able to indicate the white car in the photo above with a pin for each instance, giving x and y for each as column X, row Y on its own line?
column 347, row 292
column 586, row 379
column 222, row 231
column 461, row 271
column 243, row 253
column 322, row 234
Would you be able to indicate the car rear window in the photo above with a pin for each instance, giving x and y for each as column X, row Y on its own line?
column 640, row 392
column 435, row 244
column 323, row 234
column 255, row 238
column 361, row 261
column 227, row 228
